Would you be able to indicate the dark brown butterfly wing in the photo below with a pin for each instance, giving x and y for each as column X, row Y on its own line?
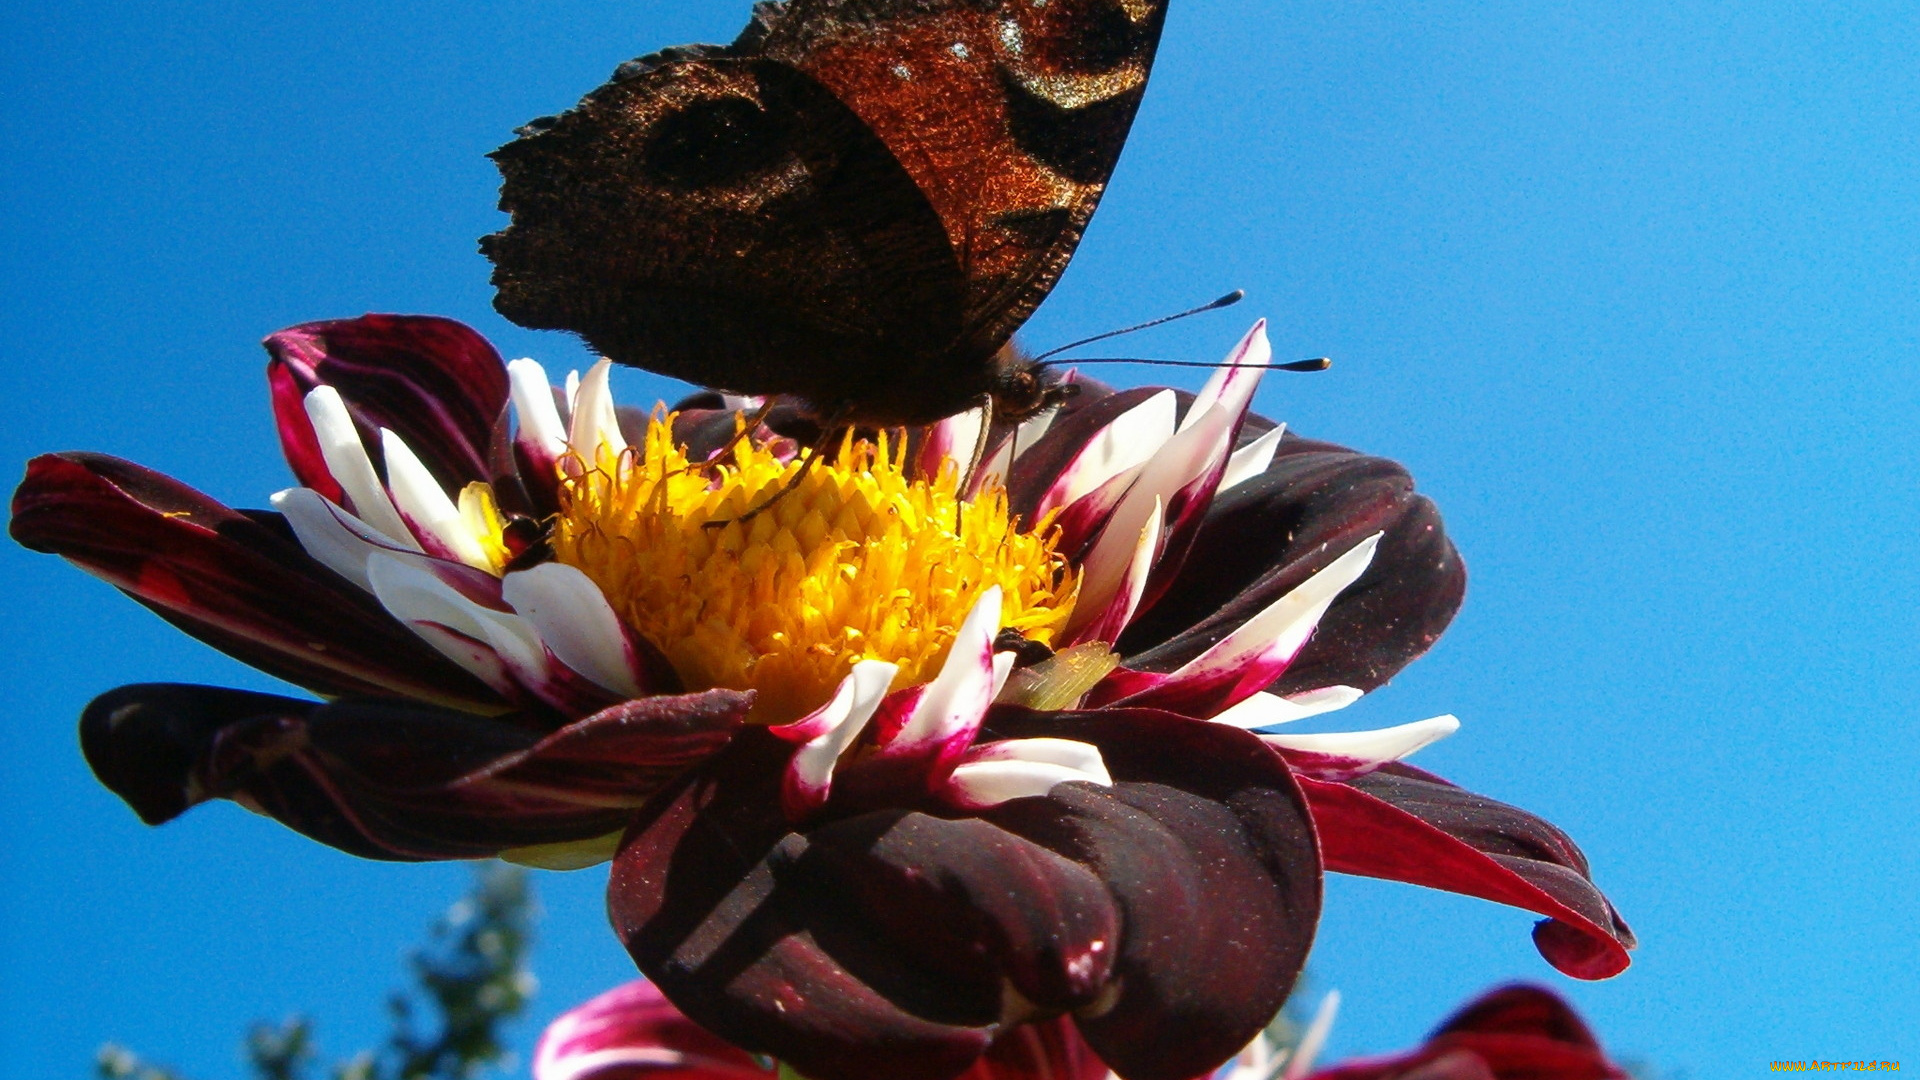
column 1009, row 116
column 857, row 202
column 728, row 221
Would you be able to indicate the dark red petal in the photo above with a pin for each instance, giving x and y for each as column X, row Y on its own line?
column 436, row 383
column 970, row 903
column 1207, row 846
column 1407, row 825
column 633, row 1033
column 696, row 897
column 879, row 943
column 1511, row 1033
column 1263, row 537
column 397, row 780
column 1418, row 1065
column 228, row 579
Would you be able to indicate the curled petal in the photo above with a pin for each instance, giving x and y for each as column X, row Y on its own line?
column 1404, row 824
column 436, row 383
column 396, row 780
column 1211, row 856
column 826, row 733
column 994, row 773
column 230, row 579
column 1266, row 536
column 895, row 943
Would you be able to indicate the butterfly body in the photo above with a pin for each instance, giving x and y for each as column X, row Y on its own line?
column 856, row 203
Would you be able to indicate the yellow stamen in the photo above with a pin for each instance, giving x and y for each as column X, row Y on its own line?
column 858, row 562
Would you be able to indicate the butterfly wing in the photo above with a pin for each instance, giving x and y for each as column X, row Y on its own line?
column 724, row 219
column 1009, row 116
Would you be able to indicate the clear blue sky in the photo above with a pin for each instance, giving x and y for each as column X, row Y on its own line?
column 1633, row 293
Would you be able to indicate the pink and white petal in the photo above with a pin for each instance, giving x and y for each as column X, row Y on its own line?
column 1018, row 768
column 433, row 607
column 571, row 615
column 298, row 442
column 542, row 434
column 1107, row 614
column 1270, row 710
column 1252, row 459
column 828, row 731
column 1002, row 670
column 1253, row 655
column 340, row 541
column 951, row 439
column 432, row 517
column 1163, row 488
column 1024, row 437
column 953, row 704
column 1232, row 385
column 436, row 382
column 1132, row 439
column 347, row 461
column 631, row 1032
column 1380, row 744
column 595, row 423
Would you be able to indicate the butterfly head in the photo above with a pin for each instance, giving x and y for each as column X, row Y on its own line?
column 1023, row 387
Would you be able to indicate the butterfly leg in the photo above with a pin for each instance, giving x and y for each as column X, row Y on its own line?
column 829, row 433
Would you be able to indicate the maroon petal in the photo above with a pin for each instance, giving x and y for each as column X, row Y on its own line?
column 1404, row 824
column 436, row 383
column 1263, row 537
column 229, row 580
column 633, row 1033
column 1215, row 868
column 1512, row 1033
column 697, row 895
column 884, row 941
column 397, row 780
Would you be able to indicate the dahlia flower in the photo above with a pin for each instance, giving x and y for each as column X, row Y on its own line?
column 888, row 766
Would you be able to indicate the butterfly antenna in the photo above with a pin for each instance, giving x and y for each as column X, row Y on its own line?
column 1228, row 300
column 1318, row 363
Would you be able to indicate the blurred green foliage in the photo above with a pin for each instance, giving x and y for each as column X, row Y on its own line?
column 471, row 978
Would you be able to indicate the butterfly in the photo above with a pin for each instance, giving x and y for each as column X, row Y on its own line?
column 856, row 203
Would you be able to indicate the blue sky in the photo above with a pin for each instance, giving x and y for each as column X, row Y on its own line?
column 1632, row 292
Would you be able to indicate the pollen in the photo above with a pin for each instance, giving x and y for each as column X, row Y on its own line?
column 859, row 561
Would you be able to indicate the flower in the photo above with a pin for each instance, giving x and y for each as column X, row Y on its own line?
column 1516, row 1032
column 893, row 764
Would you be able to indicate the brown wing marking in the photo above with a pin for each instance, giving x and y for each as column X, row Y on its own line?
column 726, row 219
column 1009, row 115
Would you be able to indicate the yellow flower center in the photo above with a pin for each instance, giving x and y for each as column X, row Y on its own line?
column 858, row 562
